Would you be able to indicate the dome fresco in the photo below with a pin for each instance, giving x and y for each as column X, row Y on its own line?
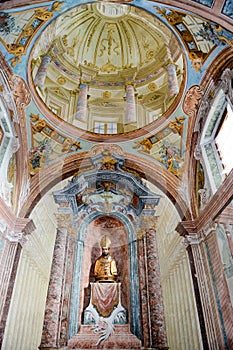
column 107, row 68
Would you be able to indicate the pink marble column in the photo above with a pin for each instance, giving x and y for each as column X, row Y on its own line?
column 144, row 293
column 52, row 321
column 81, row 112
column 172, row 79
column 157, row 321
column 42, row 71
column 67, row 290
column 131, row 116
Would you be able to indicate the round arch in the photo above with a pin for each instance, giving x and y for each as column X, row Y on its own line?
column 45, row 179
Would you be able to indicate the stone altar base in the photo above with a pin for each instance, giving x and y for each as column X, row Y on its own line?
column 122, row 338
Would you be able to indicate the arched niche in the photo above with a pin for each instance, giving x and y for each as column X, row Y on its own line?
column 124, row 250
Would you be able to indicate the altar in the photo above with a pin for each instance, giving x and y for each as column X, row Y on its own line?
column 105, row 322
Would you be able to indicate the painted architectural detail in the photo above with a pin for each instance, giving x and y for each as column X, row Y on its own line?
column 47, row 144
column 109, row 188
column 51, row 322
column 197, row 50
column 192, row 100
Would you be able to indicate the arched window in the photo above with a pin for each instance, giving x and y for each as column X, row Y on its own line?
column 216, row 140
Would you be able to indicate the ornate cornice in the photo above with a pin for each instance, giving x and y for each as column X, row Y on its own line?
column 14, row 228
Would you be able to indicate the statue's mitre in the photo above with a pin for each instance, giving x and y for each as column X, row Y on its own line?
column 105, row 242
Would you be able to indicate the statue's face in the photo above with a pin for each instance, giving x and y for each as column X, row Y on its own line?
column 105, row 251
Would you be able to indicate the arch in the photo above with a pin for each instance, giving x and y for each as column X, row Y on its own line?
column 154, row 173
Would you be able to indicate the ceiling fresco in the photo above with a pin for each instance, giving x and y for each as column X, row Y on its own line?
column 109, row 72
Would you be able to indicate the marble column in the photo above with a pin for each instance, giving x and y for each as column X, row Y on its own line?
column 157, row 321
column 134, row 294
column 173, row 85
column 53, row 310
column 13, row 242
column 81, row 111
column 131, row 114
column 144, row 293
column 172, row 79
column 42, row 71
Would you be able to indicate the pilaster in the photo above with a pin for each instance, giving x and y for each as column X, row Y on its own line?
column 57, row 311
column 196, row 244
column 14, row 235
column 53, row 310
column 154, row 331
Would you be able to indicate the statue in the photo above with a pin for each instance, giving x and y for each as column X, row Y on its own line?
column 105, row 269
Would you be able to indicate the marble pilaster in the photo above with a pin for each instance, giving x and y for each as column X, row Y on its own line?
column 158, row 330
column 52, row 319
column 209, row 307
column 143, row 282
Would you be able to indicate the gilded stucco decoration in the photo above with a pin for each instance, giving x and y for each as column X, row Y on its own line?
column 17, row 37
column 192, row 100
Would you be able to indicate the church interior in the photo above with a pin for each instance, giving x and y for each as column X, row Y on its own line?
column 116, row 179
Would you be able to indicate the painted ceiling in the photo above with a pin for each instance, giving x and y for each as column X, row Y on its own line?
column 108, row 47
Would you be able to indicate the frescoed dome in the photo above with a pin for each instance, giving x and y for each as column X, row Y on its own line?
column 107, row 69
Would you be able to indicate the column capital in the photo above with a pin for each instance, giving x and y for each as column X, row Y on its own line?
column 149, row 222
column 17, row 232
column 192, row 240
column 63, row 220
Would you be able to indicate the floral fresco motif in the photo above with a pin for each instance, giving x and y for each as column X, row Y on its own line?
column 47, row 144
column 215, row 34
column 7, row 23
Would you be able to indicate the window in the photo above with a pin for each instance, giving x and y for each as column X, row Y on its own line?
column 105, row 128
column 99, row 128
column 224, row 140
column 111, row 128
column 217, row 141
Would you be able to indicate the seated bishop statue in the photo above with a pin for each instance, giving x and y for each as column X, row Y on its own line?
column 105, row 300
column 105, row 269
